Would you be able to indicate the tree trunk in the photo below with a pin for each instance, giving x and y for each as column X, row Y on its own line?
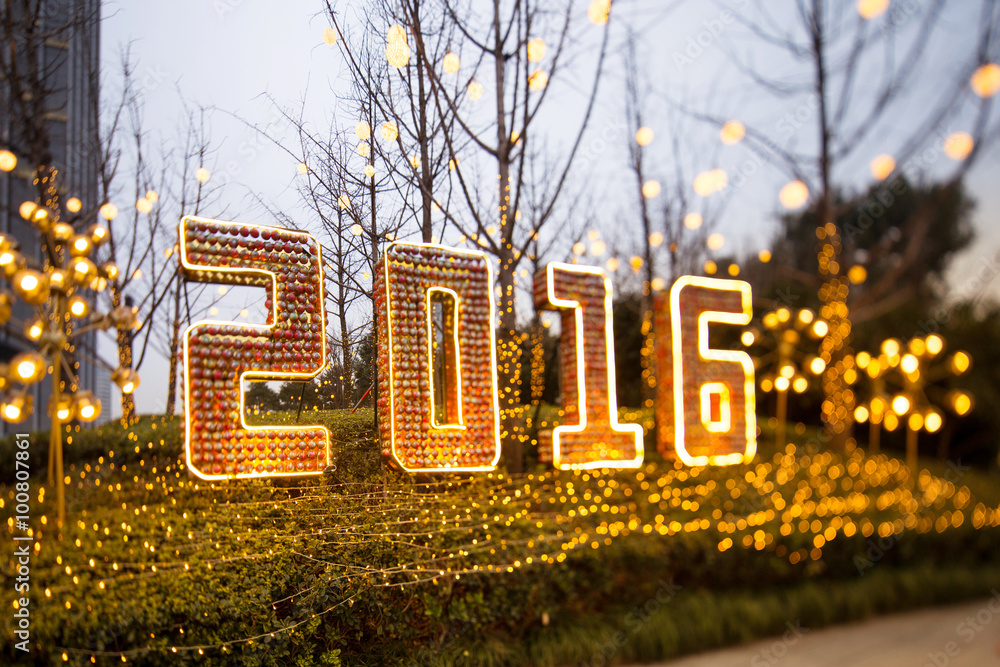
column 174, row 356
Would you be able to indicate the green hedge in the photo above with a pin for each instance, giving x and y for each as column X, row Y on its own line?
column 358, row 566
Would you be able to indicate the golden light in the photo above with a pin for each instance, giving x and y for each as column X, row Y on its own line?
column 961, row 402
column 861, row 414
column 857, row 274
column 909, row 364
column 538, row 79
column 958, row 145
column 598, row 11
column 612, row 264
column 817, row 365
column 900, row 405
column 34, row 329
column 415, row 161
column 747, row 338
column 644, row 136
column 656, row 239
column 329, row 36
column 710, row 268
column 787, row 371
column 152, row 196
column 451, row 63
column 80, row 245
column 800, row 384
column 881, row 166
column 356, row 229
column 62, row 232
column 83, row 270
column 783, row 314
column 302, row 168
column 202, row 175
column 651, row 189
column 126, row 379
column 7, row 160
column 344, row 202
column 364, row 150
column 708, row 183
column 397, row 49
column 692, row 221
column 658, row 284
column 15, row 410
column 57, row 279
column 869, row 9
column 369, row 171
column 863, row 359
column 579, row 248
column 636, row 263
column 934, row 344
column 782, row 383
column 933, row 421
column 78, row 306
column 794, row 195
column 389, row 131
column 98, row 234
column 890, row 347
column 915, row 422
column 110, row 269
column 766, row 385
column 143, row 206
column 733, row 270
column 88, row 406
column 960, row 362
column 820, row 328
column 985, row 81
column 64, row 408
column 32, row 286
column 715, row 241
column 108, row 211
column 362, row 130
column 73, row 205
column 27, row 210
column 536, row 50
column 597, row 248
column 764, row 256
column 29, row 367
column 806, row 316
column 732, row 132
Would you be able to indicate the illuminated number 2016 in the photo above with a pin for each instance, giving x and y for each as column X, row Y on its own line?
column 707, row 394
column 437, row 416
column 219, row 356
column 592, row 436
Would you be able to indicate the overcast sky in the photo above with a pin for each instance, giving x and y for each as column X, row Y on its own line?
column 230, row 55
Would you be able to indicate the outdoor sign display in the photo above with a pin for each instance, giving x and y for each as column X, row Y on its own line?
column 436, row 303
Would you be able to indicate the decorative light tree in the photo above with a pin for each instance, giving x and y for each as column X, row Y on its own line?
column 917, row 369
column 57, row 288
column 787, row 362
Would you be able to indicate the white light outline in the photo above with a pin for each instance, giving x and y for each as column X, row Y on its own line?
column 708, row 354
column 460, row 424
column 725, row 407
column 609, row 341
column 261, row 327
column 493, row 360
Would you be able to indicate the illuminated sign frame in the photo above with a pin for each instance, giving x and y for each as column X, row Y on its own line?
column 609, row 342
column 710, row 354
column 388, row 374
column 204, row 273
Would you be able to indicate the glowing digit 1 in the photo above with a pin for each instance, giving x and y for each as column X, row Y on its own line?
column 219, row 356
column 596, row 440
column 461, row 431
column 713, row 401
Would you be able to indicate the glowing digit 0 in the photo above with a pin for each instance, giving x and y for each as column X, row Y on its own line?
column 437, row 416
column 592, row 436
column 219, row 356
column 706, row 394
